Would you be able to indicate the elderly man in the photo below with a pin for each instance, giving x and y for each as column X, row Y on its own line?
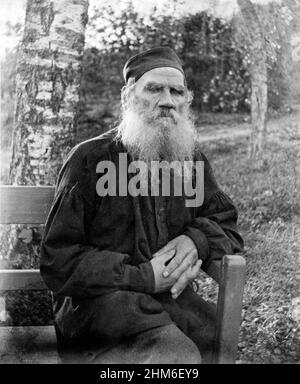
column 121, row 265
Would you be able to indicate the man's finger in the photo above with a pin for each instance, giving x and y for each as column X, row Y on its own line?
column 195, row 269
column 185, row 279
column 187, row 262
column 167, row 255
column 180, row 284
column 176, row 262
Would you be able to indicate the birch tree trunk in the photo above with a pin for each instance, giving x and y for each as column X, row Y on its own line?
column 258, row 70
column 47, row 95
column 48, row 78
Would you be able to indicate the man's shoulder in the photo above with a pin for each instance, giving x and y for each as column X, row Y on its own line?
column 95, row 148
column 97, row 145
column 84, row 157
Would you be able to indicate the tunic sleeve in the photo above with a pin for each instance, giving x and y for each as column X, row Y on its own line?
column 69, row 265
column 214, row 229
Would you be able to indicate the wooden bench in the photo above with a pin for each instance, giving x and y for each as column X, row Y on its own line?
column 37, row 344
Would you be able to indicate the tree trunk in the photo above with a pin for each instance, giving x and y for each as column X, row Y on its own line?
column 258, row 71
column 47, row 95
column 48, row 78
column 259, row 103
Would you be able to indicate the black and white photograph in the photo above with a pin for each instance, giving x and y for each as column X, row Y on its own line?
column 150, row 185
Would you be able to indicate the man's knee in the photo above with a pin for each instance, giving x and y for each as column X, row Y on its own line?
column 169, row 345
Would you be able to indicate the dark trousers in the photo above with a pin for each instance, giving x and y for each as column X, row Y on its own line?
column 97, row 331
column 160, row 345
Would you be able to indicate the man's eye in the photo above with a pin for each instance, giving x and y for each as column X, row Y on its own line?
column 153, row 89
column 177, row 92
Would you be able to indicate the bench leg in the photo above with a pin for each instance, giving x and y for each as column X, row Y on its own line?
column 229, row 308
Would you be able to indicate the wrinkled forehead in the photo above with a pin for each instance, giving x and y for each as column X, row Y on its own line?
column 164, row 76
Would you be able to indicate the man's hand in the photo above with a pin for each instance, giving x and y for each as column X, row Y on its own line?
column 184, row 266
column 159, row 264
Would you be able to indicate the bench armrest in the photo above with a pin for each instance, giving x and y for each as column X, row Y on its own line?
column 230, row 275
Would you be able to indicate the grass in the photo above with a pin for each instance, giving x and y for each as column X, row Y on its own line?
column 269, row 220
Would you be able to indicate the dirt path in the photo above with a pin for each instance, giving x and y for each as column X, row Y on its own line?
column 210, row 133
column 280, row 129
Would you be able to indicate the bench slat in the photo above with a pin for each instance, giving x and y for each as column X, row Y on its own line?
column 25, row 205
column 27, row 279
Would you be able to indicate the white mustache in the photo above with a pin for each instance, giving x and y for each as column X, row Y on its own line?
column 167, row 113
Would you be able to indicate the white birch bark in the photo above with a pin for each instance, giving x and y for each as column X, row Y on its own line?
column 48, row 78
column 259, row 88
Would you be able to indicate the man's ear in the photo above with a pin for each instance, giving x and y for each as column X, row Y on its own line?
column 124, row 95
column 190, row 96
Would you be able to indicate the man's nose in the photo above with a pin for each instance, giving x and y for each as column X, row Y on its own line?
column 166, row 101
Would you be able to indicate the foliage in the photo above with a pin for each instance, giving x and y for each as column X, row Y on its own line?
column 212, row 60
column 215, row 65
column 28, row 308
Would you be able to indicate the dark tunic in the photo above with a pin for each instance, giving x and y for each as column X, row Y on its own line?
column 96, row 251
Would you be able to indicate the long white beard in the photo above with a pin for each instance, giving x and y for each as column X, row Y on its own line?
column 151, row 137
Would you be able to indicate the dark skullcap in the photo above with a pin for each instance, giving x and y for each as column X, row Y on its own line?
column 143, row 62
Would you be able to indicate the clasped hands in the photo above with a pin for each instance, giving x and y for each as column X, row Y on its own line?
column 183, row 266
